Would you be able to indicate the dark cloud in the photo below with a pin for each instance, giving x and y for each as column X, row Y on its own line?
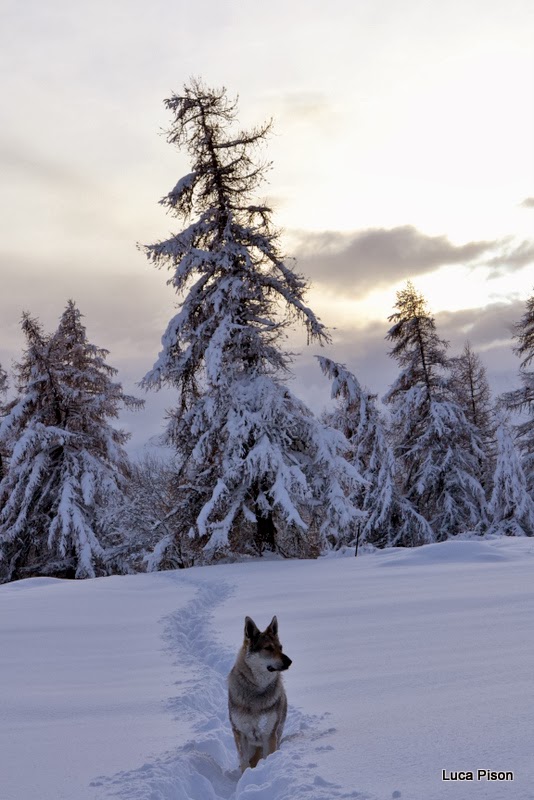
column 484, row 327
column 490, row 332
column 379, row 256
column 528, row 202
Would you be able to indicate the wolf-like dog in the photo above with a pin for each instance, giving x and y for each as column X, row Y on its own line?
column 257, row 702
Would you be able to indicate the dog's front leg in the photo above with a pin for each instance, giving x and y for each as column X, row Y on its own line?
column 242, row 749
column 249, row 752
column 273, row 741
column 255, row 757
column 270, row 744
column 266, row 749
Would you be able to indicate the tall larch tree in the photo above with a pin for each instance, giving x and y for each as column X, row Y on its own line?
column 67, row 465
column 521, row 400
column 388, row 518
column 256, row 469
column 437, row 449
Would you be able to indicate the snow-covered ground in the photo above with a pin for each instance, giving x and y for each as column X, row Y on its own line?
column 405, row 663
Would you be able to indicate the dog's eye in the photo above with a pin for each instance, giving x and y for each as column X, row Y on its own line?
column 269, row 648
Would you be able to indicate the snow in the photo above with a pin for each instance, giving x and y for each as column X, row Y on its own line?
column 405, row 662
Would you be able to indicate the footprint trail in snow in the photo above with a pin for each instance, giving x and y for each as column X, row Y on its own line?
column 205, row 768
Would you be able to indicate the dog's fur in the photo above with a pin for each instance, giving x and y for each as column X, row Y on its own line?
column 257, row 702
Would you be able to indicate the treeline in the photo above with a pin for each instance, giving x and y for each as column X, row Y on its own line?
column 254, row 469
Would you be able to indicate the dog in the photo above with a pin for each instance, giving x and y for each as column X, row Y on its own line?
column 257, row 702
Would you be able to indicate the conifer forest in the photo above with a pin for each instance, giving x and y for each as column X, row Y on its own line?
column 252, row 469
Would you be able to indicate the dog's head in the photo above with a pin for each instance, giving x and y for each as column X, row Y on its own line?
column 263, row 647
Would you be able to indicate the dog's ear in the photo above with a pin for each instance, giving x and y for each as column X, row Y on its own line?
column 251, row 629
column 273, row 626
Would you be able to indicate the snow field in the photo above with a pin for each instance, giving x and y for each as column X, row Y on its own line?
column 84, row 681
column 205, row 768
column 422, row 658
column 404, row 663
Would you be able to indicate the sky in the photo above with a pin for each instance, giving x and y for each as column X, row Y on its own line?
column 402, row 148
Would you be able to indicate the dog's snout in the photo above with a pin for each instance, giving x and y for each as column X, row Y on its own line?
column 286, row 661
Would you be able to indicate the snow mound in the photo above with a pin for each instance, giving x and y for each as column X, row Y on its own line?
column 31, row 583
column 450, row 552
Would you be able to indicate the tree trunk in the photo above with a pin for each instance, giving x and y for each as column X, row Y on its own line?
column 265, row 533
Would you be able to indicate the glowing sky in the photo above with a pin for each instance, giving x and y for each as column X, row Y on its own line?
column 403, row 147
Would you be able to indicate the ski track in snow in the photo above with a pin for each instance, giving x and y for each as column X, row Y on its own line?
column 206, row 767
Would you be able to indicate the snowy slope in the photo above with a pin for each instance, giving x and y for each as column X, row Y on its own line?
column 404, row 663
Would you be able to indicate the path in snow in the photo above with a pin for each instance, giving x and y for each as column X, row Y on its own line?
column 205, row 768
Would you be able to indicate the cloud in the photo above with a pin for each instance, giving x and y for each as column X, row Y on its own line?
column 127, row 316
column 304, row 106
column 513, row 256
column 490, row 332
column 485, row 328
column 528, row 202
column 301, row 109
column 365, row 351
column 58, row 212
column 36, row 168
column 378, row 256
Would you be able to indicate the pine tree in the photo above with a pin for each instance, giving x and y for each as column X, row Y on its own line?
column 522, row 400
column 3, row 381
column 155, row 508
column 67, row 465
column 511, row 509
column 3, row 392
column 255, row 467
column 388, row 518
column 470, row 387
column 437, row 449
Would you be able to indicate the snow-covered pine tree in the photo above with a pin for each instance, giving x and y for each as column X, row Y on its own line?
column 67, row 464
column 3, row 392
column 3, row 382
column 471, row 388
column 469, row 384
column 437, row 449
column 511, row 508
column 389, row 518
column 257, row 471
column 151, row 516
column 522, row 400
